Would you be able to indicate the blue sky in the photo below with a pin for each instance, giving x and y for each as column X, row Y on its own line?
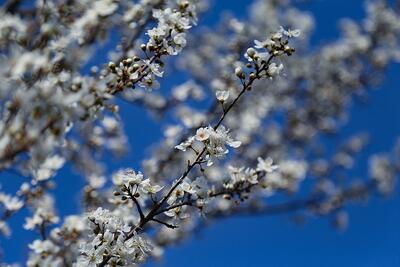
column 373, row 234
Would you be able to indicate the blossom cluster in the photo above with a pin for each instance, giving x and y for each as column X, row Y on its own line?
column 168, row 38
column 214, row 141
column 109, row 244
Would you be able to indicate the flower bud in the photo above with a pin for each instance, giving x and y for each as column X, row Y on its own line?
column 251, row 52
column 227, row 196
column 128, row 61
column 222, row 95
column 184, row 4
column 112, row 66
column 239, row 73
column 276, row 53
column 135, row 67
column 151, row 47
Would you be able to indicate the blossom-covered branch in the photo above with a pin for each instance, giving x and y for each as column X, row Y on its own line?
column 249, row 119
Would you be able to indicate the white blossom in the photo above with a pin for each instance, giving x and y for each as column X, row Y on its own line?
column 184, row 145
column 147, row 188
column 290, row 33
column 202, row 134
column 266, row 165
column 222, row 95
column 274, row 70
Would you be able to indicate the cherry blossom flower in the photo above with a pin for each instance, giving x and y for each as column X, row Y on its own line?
column 266, row 165
column 202, row 134
column 221, row 95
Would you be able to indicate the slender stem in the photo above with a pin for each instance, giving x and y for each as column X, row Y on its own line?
column 139, row 209
column 42, row 230
column 164, row 223
column 185, row 203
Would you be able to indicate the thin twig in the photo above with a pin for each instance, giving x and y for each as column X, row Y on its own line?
column 164, row 223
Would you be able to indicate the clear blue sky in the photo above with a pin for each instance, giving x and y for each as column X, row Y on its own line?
column 372, row 238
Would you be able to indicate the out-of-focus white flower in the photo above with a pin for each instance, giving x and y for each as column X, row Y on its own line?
column 381, row 170
column 200, row 186
column 48, row 168
column 274, row 70
column 240, row 175
column 266, row 165
column 127, row 177
column 11, row 203
column 147, row 188
column 184, row 145
column 294, row 169
column 268, row 43
column 222, row 95
column 178, row 213
column 43, row 246
column 4, row 229
column 290, row 33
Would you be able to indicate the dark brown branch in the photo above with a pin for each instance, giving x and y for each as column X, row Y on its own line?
column 139, row 209
column 164, row 223
column 181, row 204
column 11, row 6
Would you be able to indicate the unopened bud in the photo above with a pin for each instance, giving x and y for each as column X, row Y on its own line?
column 128, row 61
column 150, row 47
column 135, row 67
column 239, row 73
column 226, row 196
column 289, row 50
column 251, row 52
column 184, row 4
column 111, row 66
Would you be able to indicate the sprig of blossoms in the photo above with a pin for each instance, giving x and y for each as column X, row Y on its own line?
column 131, row 185
column 109, row 244
column 196, row 189
column 167, row 38
column 214, row 141
column 276, row 45
column 43, row 214
column 241, row 180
